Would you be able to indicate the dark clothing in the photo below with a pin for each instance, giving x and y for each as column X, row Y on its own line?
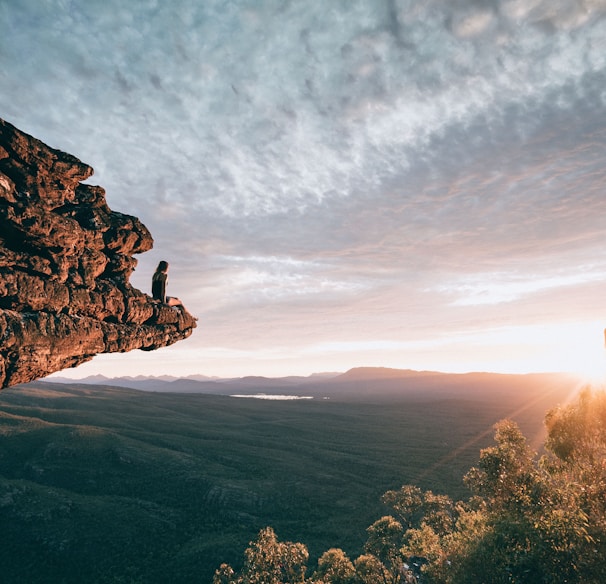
column 159, row 286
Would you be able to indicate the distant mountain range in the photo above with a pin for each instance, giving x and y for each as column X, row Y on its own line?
column 199, row 383
column 357, row 383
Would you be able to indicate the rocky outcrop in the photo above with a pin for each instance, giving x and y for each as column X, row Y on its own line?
column 65, row 263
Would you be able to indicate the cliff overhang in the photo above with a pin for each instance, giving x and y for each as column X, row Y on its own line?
column 65, row 263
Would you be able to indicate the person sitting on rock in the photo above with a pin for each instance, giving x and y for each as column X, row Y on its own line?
column 159, row 286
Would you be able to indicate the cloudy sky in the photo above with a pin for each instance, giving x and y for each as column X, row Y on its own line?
column 404, row 183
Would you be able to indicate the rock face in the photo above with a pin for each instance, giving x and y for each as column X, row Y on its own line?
column 65, row 264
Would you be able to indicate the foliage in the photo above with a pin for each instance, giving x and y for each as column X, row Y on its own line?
column 268, row 561
column 577, row 439
column 334, row 567
column 530, row 520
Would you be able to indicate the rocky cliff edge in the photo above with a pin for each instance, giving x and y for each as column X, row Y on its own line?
column 65, row 263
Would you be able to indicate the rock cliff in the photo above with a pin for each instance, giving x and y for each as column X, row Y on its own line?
column 65, row 263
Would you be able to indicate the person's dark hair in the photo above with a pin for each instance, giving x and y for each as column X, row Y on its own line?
column 162, row 266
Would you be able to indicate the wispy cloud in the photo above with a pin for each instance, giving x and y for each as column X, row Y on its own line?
column 495, row 288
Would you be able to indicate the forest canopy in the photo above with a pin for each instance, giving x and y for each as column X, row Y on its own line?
column 529, row 519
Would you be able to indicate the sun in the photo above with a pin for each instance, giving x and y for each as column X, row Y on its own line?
column 582, row 351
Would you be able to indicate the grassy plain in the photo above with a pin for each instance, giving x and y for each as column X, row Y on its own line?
column 112, row 485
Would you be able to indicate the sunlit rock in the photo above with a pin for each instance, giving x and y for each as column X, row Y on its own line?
column 65, row 263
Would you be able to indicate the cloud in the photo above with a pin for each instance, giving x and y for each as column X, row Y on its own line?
column 496, row 288
column 276, row 279
column 278, row 109
column 366, row 161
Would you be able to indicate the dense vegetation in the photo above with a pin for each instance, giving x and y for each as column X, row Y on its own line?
column 106, row 485
column 530, row 520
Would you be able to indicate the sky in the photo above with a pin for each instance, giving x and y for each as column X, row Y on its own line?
column 415, row 184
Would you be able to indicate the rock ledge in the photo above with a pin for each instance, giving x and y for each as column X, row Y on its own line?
column 65, row 263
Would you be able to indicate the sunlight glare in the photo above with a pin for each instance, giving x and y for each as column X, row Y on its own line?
column 582, row 351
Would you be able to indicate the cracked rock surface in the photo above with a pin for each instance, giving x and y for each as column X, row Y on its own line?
column 65, row 263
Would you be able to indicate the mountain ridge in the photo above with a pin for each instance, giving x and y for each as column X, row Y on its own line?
column 357, row 383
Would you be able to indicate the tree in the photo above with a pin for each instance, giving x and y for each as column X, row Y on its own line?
column 268, row 561
column 413, row 506
column 334, row 567
column 529, row 520
column 577, row 445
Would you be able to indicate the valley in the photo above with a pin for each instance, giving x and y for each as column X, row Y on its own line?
column 112, row 484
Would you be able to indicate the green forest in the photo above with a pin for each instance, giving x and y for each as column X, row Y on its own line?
column 529, row 519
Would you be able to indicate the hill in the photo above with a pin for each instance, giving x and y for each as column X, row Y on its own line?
column 105, row 484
